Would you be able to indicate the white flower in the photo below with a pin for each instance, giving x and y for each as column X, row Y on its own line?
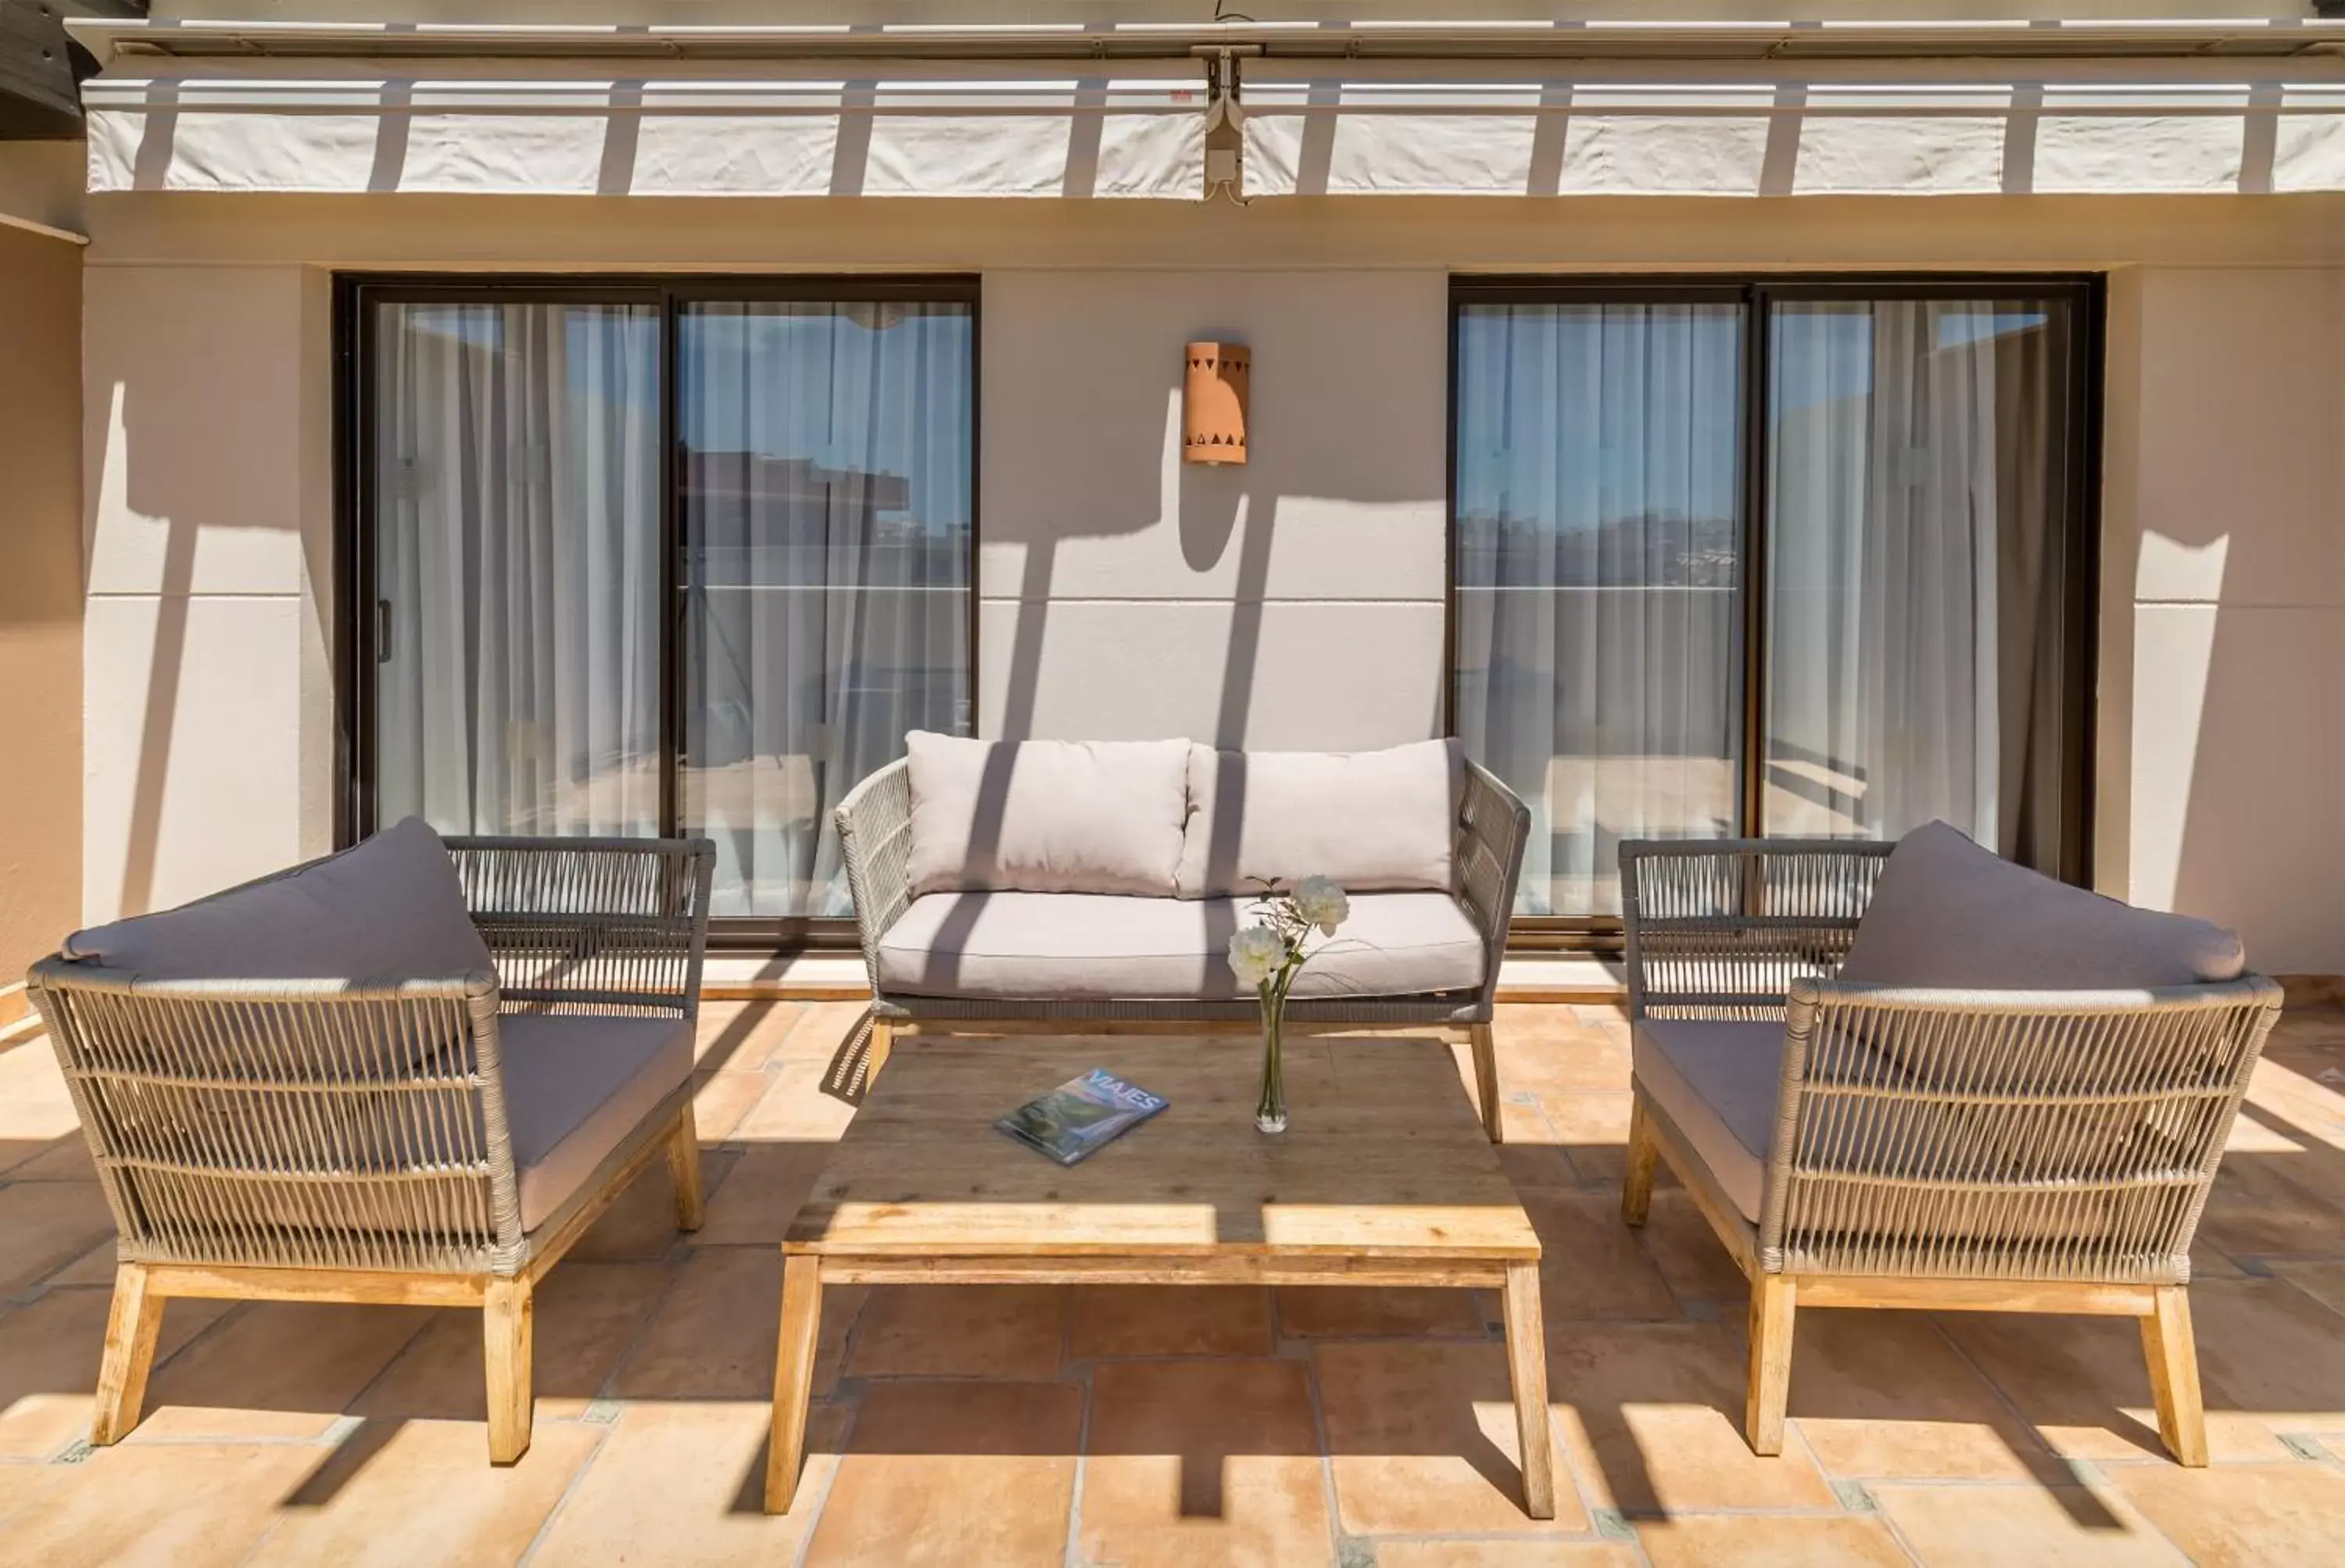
column 1320, row 900
column 1256, row 953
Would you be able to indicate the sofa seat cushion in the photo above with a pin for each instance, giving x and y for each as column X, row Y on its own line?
column 1046, row 816
column 575, row 1087
column 1718, row 1080
column 390, row 908
column 1373, row 821
column 1093, row 947
column 1947, row 913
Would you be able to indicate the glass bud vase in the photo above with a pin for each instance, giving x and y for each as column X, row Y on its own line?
column 1270, row 1112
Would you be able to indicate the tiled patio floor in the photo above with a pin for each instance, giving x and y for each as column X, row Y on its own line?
column 1131, row 1427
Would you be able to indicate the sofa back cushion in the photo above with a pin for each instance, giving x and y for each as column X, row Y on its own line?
column 1947, row 913
column 1046, row 816
column 1373, row 821
column 388, row 908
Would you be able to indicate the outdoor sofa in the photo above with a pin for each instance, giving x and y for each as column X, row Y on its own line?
column 412, row 1073
column 1925, row 1077
column 1083, row 885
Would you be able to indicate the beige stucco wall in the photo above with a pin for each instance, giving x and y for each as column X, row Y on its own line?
column 40, row 596
column 1296, row 602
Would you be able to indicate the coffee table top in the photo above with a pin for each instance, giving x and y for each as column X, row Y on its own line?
column 1383, row 1158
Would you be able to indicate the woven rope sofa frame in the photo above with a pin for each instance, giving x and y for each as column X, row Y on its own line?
column 874, row 832
column 1944, row 1150
column 322, row 1140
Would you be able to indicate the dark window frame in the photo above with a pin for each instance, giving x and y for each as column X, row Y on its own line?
column 2081, row 409
column 354, row 638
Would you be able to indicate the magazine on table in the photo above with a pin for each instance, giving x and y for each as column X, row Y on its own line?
column 1082, row 1115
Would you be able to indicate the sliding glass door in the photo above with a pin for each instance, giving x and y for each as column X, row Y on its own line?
column 1792, row 559
column 645, row 558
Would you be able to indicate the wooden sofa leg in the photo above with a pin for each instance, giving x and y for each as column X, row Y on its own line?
column 132, row 1324
column 2172, row 1351
column 507, row 1329
column 1773, row 1303
column 683, row 1165
column 1486, row 1081
column 875, row 1054
column 1644, row 1156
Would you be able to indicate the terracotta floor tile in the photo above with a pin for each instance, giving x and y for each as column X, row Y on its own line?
column 1884, row 1394
column 96, row 1267
column 1010, row 1331
column 760, row 1195
column 794, row 1109
column 2083, row 1384
column 741, row 1036
column 65, row 1159
column 1590, row 1264
column 2243, row 1516
column 1593, row 1129
column 2257, row 1206
column 2324, row 1282
column 1348, row 1312
column 640, row 1226
column 1569, row 1059
column 1202, row 1462
column 49, row 1354
column 276, row 1368
column 586, row 1315
column 1687, row 1251
column 820, row 1030
column 682, row 1485
column 158, row 1506
column 719, row 1101
column 953, row 1474
column 2008, row 1526
column 1422, row 1440
column 45, row 1225
column 1538, row 1167
column 714, row 1336
column 2267, row 1348
column 1760, row 1541
column 1521, row 1553
column 1651, row 1415
column 1168, row 1321
column 401, row 1493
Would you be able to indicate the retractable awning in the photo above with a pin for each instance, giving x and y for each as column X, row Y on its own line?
column 1313, row 130
column 586, row 128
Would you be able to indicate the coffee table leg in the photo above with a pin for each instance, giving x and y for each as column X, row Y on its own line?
column 1527, row 1363
column 793, row 1377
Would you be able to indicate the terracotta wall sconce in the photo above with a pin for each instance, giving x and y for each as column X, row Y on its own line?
column 1213, row 403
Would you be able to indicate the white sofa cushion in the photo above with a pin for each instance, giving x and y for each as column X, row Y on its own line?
column 1046, row 816
column 390, row 908
column 1947, row 913
column 1718, row 1079
column 1373, row 821
column 576, row 1086
column 1069, row 946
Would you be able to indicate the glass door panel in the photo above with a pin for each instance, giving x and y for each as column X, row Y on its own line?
column 826, row 454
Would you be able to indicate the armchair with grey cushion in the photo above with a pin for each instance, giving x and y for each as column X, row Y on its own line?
column 1930, row 1078
column 412, row 1073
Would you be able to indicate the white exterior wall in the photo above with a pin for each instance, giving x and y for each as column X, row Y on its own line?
column 1297, row 602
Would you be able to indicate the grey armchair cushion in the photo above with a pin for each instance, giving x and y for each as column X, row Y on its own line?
column 1063, row 946
column 390, row 908
column 1718, row 1080
column 1373, row 821
column 1947, row 913
column 1046, row 816
column 575, row 1086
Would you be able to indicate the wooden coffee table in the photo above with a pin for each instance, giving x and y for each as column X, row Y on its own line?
column 1385, row 1177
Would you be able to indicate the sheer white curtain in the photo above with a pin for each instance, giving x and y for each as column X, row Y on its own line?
column 1909, row 493
column 1599, row 580
column 827, row 489
column 516, row 557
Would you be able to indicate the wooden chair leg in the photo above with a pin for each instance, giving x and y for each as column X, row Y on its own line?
column 1644, row 1156
column 683, row 1167
column 1773, row 1303
column 875, row 1054
column 2172, row 1351
column 132, row 1324
column 1486, row 1081
column 507, row 1329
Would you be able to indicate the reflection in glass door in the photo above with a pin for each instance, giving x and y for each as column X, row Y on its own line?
column 826, row 454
